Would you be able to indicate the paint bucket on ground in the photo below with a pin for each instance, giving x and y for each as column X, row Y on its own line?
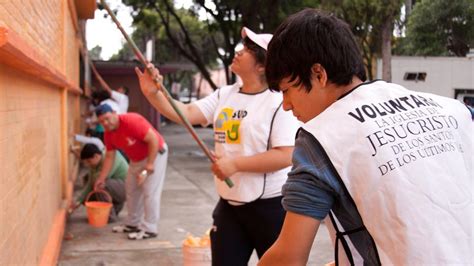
column 98, row 211
column 197, row 251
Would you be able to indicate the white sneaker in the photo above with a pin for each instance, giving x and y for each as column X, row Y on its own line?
column 125, row 229
column 141, row 235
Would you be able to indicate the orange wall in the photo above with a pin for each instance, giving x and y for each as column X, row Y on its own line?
column 30, row 193
column 36, row 119
column 38, row 23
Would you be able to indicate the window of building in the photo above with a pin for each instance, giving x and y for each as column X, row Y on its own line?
column 415, row 76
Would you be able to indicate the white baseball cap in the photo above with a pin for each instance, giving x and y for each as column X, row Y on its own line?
column 261, row 40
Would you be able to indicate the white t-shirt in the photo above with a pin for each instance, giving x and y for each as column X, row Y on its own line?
column 112, row 105
column 121, row 100
column 93, row 140
column 242, row 125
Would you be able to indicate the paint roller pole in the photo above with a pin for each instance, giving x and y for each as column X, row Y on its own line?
column 86, row 57
column 99, row 77
column 158, row 83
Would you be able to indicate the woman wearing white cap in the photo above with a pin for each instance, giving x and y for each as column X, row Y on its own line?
column 254, row 139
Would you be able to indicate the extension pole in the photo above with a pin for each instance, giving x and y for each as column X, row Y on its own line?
column 86, row 56
column 99, row 77
column 158, row 83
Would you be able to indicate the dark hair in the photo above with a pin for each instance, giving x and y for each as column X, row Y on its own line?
column 100, row 95
column 125, row 89
column 102, row 109
column 259, row 53
column 89, row 150
column 93, row 133
column 313, row 37
column 90, row 132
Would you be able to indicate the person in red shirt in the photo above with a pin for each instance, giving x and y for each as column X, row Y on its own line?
column 147, row 151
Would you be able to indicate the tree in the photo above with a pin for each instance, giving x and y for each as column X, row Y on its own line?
column 95, row 52
column 228, row 17
column 180, row 35
column 139, row 36
column 391, row 11
column 433, row 23
column 372, row 23
column 223, row 23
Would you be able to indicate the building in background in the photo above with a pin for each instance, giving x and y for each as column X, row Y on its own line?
column 451, row 77
column 40, row 102
column 202, row 88
column 122, row 73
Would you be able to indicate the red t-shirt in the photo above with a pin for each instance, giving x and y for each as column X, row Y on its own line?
column 129, row 136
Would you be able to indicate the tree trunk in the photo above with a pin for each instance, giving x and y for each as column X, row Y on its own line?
column 191, row 53
column 191, row 85
column 387, row 29
column 228, row 76
column 198, row 93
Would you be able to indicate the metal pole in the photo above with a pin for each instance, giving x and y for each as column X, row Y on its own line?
column 158, row 83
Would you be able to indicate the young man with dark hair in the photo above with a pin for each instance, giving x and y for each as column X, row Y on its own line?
column 390, row 169
column 120, row 96
column 90, row 137
column 123, row 90
column 105, row 97
column 93, row 157
column 148, row 155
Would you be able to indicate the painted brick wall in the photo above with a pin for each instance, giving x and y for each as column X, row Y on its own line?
column 29, row 191
column 32, row 186
column 71, row 48
column 37, row 23
column 74, row 126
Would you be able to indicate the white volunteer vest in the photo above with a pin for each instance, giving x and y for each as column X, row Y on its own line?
column 252, row 136
column 406, row 160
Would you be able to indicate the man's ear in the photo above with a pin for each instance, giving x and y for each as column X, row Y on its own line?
column 318, row 74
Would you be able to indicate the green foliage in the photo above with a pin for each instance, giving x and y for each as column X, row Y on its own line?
column 366, row 19
column 95, row 53
column 125, row 53
column 432, row 22
column 149, row 25
column 181, row 35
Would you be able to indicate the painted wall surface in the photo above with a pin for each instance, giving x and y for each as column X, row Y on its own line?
column 444, row 74
column 30, row 187
column 39, row 23
column 36, row 118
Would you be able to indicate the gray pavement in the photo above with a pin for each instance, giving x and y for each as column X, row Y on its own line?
column 187, row 203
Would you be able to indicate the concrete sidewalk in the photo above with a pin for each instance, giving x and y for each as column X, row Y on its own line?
column 187, row 203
